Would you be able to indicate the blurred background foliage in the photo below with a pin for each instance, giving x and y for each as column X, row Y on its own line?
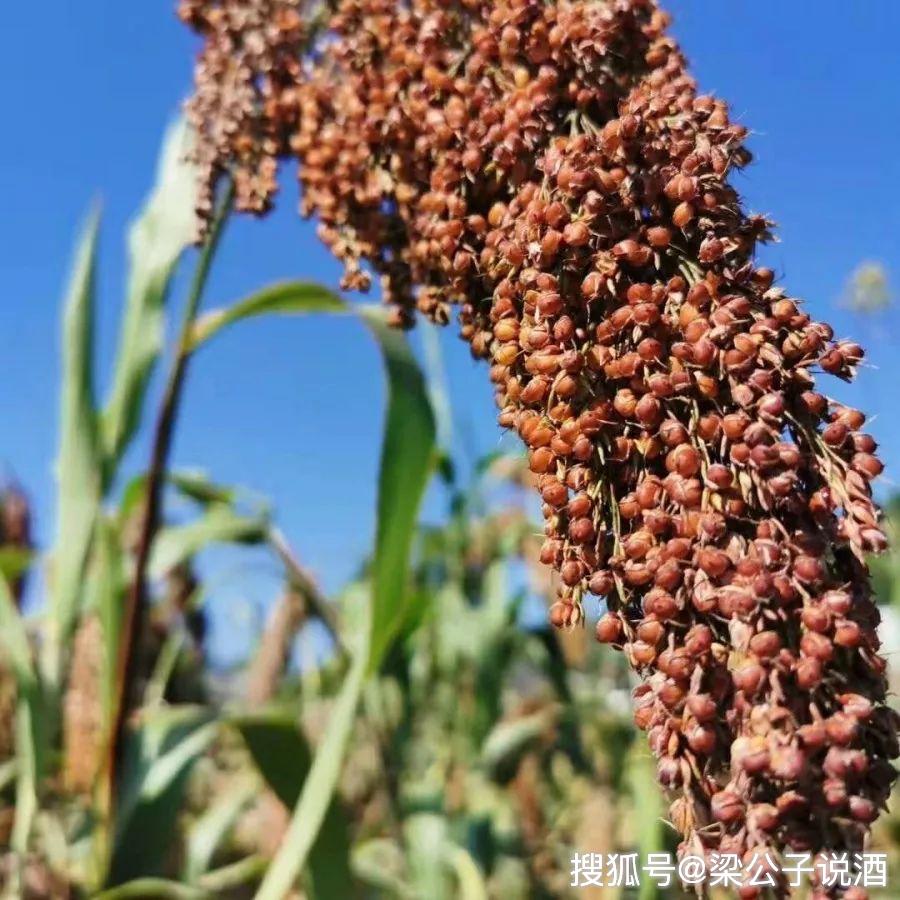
column 423, row 734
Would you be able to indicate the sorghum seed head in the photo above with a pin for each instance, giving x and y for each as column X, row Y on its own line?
column 557, row 187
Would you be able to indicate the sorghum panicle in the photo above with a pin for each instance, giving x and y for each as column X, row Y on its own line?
column 252, row 55
column 549, row 169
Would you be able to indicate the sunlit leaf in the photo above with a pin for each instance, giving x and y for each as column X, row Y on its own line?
column 407, row 458
column 162, row 231
column 29, row 717
column 408, row 448
column 379, row 862
column 470, row 880
column 158, row 758
column 218, row 524
column 208, row 832
column 648, row 810
column 133, row 496
column 197, row 486
column 290, row 297
column 79, row 464
column 154, row 889
column 426, row 836
column 106, row 582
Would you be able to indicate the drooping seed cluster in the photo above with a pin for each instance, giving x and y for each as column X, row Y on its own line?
column 252, row 55
column 551, row 170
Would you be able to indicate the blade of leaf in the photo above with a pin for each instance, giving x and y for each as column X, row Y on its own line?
column 29, row 733
column 425, row 835
column 14, row 638
column 222, row 881
column 158, row 759
column 279, row 750
column 508, row 741
column 154, row 889
column 407, row 457
column 107, row 582
column 208, row 831
column 469, row 878
column 295, row 297
column 649, row 812
column 8, row 771
column 14, row 561
column 318, row 788
column 380, row 863
column 196, row 486
column 438, row 390
column 329, row 860
column 408, row 450
column 159, row 235
column 282, row 756
column 78, row 463
column 218, row 524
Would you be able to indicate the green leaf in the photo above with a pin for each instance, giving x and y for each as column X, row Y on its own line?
column 407, row 457
column 158, row 759
column 106, row 586
column 283, row 757
column 290, row 297
column 14, row 561
column 438, row 391
column 210, row 829
column 318, row 787
column 406, row 461
column 279, row 750
column 29, row 736
column 8, row 772
column 507, row 742
column 379, row 862
column 223, row 881
column 14, row 639
column 470, row 881
column 196, row 486
column 408, row 448
column 154, row 889
column 133, row 497
column 426, row 837
column 79, row 461
column 218, row 524
column 162, row 231
column 329, row 860
column 649, row 811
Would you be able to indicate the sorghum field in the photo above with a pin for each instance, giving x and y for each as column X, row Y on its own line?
column 636, row 644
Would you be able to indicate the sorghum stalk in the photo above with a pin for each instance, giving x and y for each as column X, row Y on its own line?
column 134, row 615
column 550, row 169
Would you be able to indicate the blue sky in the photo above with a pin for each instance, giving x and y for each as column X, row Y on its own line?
column 292, row 408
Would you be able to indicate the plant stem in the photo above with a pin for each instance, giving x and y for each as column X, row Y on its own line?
column 136, row 602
